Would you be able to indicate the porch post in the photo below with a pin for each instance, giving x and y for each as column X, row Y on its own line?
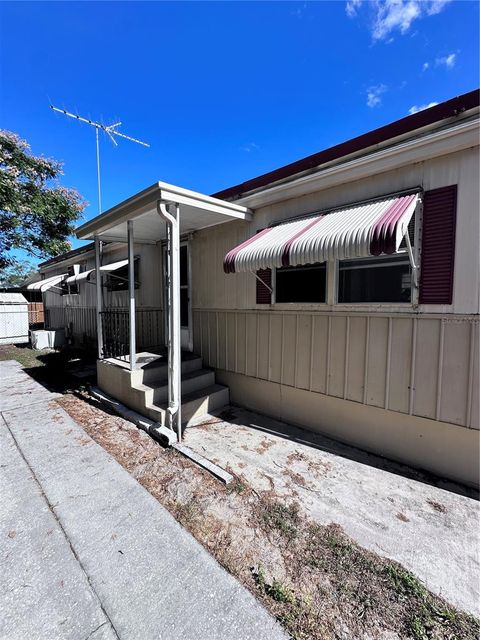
column 98, row 284
column 173, row 314
column 131, row 295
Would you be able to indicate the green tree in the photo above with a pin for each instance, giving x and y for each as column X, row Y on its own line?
column 16, row 274
column 36, row 214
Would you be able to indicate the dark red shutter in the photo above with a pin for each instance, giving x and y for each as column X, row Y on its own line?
column 263, row 294
column 438, row 245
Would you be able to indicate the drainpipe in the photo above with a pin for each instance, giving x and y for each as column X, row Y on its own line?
column 174, row 417
column 98, row 282
column 131, row 296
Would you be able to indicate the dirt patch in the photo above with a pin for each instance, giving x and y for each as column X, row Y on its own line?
column 264, row 446
column 437, row 506
column 317, row 581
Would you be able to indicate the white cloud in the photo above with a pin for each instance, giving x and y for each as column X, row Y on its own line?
column 374, row 95
column 416, row 109
column 395, row 15
column 352, row 6
column 251, row 146
column 448, row 61
column 426, row 65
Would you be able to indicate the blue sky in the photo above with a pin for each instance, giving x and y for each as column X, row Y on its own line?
column 222, row 91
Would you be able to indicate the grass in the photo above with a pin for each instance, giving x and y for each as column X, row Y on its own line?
column 327, row 570
column 51, row 368
column 276, row 516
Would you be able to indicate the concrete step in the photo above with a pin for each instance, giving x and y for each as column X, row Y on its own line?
column 157, row 391
column 194, row 404
column 158, row 370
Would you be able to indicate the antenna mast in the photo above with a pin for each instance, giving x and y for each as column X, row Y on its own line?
column 110, row 130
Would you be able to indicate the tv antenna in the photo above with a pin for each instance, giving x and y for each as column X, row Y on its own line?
column 111, row 130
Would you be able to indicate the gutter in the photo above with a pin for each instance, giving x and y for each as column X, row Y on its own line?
column 467, row 133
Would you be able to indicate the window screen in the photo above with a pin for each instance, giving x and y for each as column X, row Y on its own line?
column 301, row 284
column 384, row 279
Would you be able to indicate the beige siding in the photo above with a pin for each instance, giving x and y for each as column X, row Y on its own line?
column 78, row 311
column 371, row 359
column 212, row 289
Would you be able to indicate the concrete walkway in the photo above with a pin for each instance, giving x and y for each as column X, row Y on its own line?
column 386, row 507
column 87, row 552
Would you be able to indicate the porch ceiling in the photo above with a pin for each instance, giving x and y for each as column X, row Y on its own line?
column 197, row 211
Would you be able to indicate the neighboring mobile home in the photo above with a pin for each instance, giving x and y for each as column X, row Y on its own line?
column 339, row 293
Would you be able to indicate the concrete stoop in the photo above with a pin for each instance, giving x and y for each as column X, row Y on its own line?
column 146, row 389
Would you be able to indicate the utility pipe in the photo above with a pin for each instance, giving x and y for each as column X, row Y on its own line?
column 173, row 314
column 131, row 295
column 98, row 284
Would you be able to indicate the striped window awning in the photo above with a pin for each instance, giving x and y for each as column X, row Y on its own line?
column 355, row 231
column 47, row 283
column 86, row 275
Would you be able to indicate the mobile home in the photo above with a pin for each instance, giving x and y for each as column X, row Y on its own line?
column 339, row 293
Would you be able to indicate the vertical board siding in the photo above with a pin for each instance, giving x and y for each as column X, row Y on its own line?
column 400, row 364
column 474, row 409
column 455, row 374
column 251, row 344
column 319, row 354
column 369, row 359
column 438, row 245
column 336, row 372
column 356, row 359
column 289, row 349
column 303, row 351
column 241, row 344
column 426, row 367
column 377, row 361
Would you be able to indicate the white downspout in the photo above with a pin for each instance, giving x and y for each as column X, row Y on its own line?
column 131, row 297
column 98, row 283
column 173, row 314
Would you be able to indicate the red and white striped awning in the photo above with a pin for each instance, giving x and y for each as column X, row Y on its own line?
column 356, row 231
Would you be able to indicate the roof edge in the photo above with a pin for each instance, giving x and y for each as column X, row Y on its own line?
column 443, row 111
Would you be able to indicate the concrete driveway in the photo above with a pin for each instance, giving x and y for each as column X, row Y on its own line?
column 432, row 527
column 87, row 552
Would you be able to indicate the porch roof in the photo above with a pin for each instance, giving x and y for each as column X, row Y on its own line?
column 197, row 211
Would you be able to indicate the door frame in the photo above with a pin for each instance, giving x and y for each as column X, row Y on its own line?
column 186, row 333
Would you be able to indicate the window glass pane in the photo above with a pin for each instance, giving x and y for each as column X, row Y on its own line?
column 184, row 306
column 375, row 280
column 183, row 264
column 301, row 284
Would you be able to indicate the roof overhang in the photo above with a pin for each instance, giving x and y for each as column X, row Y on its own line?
column 451, row 139
column 197, row 211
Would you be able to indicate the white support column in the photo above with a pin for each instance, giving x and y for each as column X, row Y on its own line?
column 98, row 284
column 131, row 295
column 173, row 312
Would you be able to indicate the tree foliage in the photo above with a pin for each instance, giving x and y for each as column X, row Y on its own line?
column 36, row 214
column 15, row 275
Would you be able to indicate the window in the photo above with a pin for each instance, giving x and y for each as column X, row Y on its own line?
column 118, row 280
column 383, row 279
column 71, row 289
column 301, row 284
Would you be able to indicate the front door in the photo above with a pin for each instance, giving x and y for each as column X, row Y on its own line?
column 185, row 306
